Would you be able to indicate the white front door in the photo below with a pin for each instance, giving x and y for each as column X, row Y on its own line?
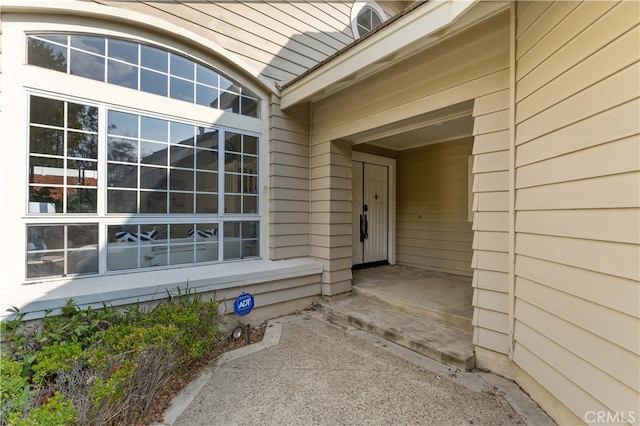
column 370, row 213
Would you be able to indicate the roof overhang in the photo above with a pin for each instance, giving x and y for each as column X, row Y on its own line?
column 423, row 27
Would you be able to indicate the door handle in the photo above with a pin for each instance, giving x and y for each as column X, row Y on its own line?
column 364, row 227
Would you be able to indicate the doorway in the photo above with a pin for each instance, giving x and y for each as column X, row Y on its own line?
column 372, row 214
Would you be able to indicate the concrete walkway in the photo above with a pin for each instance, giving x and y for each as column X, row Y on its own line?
column 308, row 371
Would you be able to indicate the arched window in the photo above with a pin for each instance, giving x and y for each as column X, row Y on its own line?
column 140, row 67
column 139, row 156
column 365, row 16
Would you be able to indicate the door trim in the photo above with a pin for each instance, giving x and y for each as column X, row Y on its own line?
column 391, row 225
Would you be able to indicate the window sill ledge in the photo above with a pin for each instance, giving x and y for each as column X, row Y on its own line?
column 128, row 288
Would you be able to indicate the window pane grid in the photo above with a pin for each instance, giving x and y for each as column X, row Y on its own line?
column 141, row 67
column 61, row 250
column 157, row 245
column 241, row 240
column 367, row 20
column 153, row 166
column 169, row 174
column 63, row 174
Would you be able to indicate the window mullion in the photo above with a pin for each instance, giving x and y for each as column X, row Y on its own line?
column 65, row 160
column 221, row 194
column 103, row 185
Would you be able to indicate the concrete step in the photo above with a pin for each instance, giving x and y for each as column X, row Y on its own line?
column 427, row 336
column 419, row 310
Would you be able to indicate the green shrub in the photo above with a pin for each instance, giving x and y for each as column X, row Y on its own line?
column 77, row 325
column 56, row 411
column 16, row 393
column 101, row 366
column 51, row 359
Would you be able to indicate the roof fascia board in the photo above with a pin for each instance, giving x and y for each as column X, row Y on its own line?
column 94, row 10
column 416, row 31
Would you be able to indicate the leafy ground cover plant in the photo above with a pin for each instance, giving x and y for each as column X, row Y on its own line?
column 101, row 366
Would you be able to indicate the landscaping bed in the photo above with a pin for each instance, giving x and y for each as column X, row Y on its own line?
column 107, row 367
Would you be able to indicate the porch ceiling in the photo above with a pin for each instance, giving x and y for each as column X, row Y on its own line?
column 450, row 123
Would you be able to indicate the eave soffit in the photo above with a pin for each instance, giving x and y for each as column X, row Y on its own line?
column 422, row 28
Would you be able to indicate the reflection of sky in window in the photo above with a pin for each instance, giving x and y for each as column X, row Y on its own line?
column 123, row 74
column 153, row 82
column 154, row 58
column 206, row 76
column 62, row 39
column 89, row 43
column 181, row 133
column 181, row 67
column 123, row 124
column 229, row 85
column 87, row 65
column 181, row 89
column 207, row 138
column 206, row 96
column 167, row 74
column 153, row 153
column 124, row 50
column 154, row 129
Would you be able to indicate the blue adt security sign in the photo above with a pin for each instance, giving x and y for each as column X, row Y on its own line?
column 243, row 304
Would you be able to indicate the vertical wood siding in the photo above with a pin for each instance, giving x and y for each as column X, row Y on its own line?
column 490, row 221
column 432, row 225
column 577, row 328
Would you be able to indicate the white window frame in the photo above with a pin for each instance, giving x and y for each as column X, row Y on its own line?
column 357, row 8
column 27, row 79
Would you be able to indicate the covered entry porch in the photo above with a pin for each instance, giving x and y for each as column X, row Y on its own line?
column 442, row 115
column 427, row 311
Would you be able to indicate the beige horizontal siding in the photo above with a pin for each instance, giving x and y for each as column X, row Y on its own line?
column 331, row 213
column 599, row 256
column 619, row 54
column 464, row 67
column 615, row 225
column 278, row 40
column 289, row 183
column 490, row 221
column 623, row 155
column 615, row 123
column 609, row 92
column 272, row 298
column 614, row 191
column 431, row 213
column 578, row 202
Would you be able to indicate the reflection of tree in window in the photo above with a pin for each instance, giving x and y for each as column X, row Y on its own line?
column 50, row 120
column 86, row 56
column 47, row 55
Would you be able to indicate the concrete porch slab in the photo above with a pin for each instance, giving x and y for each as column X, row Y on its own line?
column 422, row 292
column 428, row 312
